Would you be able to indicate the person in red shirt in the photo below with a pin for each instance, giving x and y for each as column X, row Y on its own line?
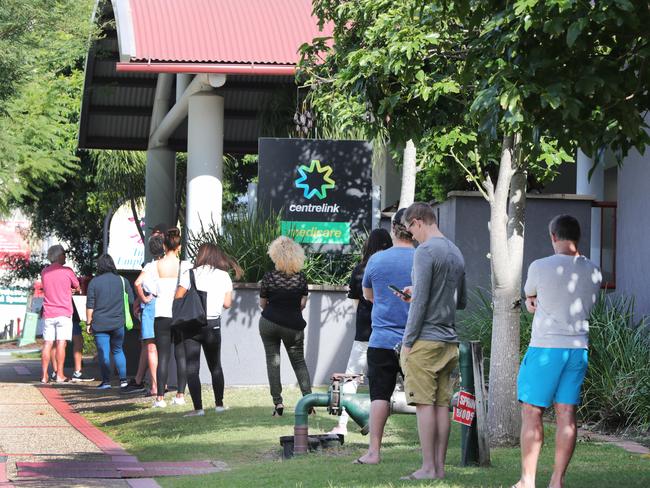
column 58, row 284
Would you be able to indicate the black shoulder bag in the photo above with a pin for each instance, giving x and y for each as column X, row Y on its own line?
column 190, row 308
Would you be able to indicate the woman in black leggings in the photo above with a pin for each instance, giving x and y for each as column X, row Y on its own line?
column 210, row 274
column 163, row 283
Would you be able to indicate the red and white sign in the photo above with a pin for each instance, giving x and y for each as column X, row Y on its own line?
column 466, row 409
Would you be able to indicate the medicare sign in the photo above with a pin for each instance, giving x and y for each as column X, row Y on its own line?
column 321, row 188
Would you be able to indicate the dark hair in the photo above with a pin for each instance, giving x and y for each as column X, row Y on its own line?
column 420, row 211
column 156, row 247
column 399, row 229
column 172, row 239
column 105, row 264
column 210, row 255
column 378, row 240
column 565, row 228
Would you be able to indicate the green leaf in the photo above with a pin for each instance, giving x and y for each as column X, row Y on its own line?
column 574, row 31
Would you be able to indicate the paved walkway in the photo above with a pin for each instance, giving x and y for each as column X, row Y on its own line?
column 45, row 442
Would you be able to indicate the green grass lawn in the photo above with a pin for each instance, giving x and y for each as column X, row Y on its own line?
column 246, row 437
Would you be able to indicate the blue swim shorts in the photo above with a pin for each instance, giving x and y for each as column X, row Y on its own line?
column 552, row 375
column 147, row 318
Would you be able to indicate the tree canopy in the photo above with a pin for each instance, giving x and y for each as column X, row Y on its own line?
column 503, row 90
column 457, row 75
column 42, row 51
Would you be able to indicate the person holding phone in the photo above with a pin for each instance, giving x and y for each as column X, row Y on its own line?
column 390, row 267
column 378, row 240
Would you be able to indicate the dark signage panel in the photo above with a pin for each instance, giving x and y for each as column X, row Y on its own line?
column 321, row 188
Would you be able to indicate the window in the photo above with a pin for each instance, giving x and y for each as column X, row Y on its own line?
column 607, row 242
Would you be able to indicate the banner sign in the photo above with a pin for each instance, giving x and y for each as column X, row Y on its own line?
column 465, row 410
column 322, row 189
column 12, row 237
column 10, row 296
column 125, row 244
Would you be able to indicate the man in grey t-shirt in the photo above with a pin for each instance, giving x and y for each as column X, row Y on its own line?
column 430, row 344
column 561, row 291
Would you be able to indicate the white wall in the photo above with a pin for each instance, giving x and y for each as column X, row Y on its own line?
column 633, row 231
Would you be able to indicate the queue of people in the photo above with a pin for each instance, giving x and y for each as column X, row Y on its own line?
column 407, row 289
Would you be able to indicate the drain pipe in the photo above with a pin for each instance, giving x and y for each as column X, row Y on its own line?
column 357, row 405
column 300, row 429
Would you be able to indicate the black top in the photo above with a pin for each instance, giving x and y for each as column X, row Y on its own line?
column 284, row 293
column 364, row 309
column 106, row 300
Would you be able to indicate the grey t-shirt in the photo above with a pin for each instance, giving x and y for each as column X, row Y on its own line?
column 566, row 288
column 438, row 290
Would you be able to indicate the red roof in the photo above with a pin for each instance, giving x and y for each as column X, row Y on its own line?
column 214, row 31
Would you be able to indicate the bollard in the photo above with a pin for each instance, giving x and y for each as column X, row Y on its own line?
column 469, row 455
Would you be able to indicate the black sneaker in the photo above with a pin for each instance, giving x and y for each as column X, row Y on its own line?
column 79, row 376
column 133, row 387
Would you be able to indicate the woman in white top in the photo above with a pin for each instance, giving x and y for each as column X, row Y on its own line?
column 162, row 283
column 210, row 275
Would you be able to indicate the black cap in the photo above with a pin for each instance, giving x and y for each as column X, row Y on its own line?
column 162, row 228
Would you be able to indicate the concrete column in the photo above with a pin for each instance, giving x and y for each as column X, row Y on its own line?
column 160, row 175
column 160, row 186
column 594, row 186
column 204, row 161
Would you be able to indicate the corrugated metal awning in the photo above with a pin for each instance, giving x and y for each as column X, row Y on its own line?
column 117, row 106
column 231, row 35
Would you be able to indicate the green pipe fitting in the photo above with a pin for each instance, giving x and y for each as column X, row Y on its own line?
column 300, row 429
column 357, row 405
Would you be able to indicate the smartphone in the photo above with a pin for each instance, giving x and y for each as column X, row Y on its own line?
column 399, row 292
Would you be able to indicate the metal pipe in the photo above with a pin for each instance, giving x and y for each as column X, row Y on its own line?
column 178, row 112
column 357, row 405
column 300, row 429
column 469, row 434
column 398, row 403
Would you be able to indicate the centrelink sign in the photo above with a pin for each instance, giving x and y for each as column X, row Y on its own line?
column 322, row 188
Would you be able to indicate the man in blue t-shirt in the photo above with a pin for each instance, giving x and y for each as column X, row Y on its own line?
column 389, row 313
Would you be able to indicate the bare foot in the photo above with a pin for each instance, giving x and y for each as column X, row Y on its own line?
column 368, row 458
column 421, row 474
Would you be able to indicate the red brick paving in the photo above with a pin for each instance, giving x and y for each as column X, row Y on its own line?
column 121, row 464
column 92, row 433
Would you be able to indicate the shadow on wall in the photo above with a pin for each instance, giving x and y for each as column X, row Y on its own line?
column 329, row 335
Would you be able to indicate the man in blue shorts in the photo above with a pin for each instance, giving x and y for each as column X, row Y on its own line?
column 389, row 313
column 561, row 291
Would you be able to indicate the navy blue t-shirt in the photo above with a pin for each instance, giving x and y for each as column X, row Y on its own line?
column 389, row 314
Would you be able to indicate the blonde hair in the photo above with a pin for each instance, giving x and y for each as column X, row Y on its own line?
column 287, row 255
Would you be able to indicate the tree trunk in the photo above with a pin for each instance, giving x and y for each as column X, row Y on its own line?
column 409, row 170
column 507, row 205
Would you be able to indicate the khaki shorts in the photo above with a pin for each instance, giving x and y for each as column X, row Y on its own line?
column 427, row 371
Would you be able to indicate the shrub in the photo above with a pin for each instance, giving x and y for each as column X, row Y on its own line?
column 616, row 392
column 246, row 238
column 475, row 323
